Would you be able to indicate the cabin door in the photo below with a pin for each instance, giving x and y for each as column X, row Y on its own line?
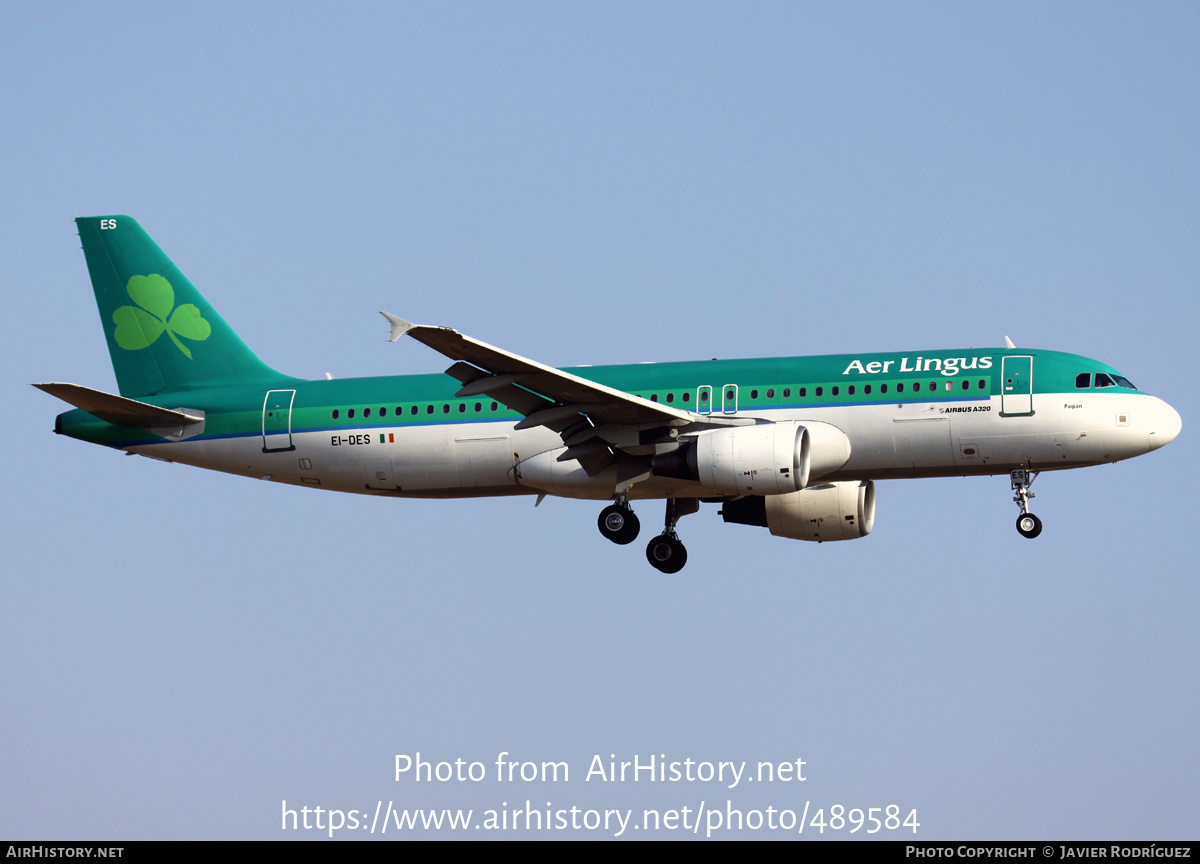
column 277, row 421
column 1016, row 387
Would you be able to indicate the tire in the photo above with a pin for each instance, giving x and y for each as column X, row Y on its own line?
column 619, row 524
column 1029, row 525
column 666, row 554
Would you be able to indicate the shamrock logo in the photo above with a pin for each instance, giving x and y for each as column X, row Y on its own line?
column 138, row 326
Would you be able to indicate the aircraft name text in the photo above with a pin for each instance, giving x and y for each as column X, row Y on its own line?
column 948, row 366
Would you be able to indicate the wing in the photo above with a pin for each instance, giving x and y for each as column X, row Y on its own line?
column 591, row 418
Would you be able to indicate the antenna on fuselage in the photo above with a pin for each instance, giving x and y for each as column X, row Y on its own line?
column 1008, row 343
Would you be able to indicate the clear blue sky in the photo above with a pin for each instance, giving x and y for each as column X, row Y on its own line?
column 603, row 183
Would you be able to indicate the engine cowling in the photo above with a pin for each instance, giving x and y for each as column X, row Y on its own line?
column 828, row 447
column 767, row 459
column 830, row 511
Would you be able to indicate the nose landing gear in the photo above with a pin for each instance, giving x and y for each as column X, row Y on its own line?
column 1027, row 524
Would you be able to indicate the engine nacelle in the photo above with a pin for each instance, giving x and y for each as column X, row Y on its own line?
column 828, row 448
column 830, row 511
column 767, row 459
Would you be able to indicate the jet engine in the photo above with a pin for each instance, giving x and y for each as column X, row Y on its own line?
column 765, row 459
column 830, row 511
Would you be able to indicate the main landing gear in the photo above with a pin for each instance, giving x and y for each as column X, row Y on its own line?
column 665, row 552
column 619, row 523
column 1027, row 524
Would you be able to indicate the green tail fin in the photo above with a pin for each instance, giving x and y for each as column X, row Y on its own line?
column 162, row 334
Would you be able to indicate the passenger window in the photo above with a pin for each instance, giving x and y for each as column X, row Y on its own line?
column 820, row 391
column 834, row 391
column 428, row 409
column 478, row 407
column 350, row 413
column 1083, row 380
column 982, row 384
column 670, row 397
column 493, row 406
column 366, row 412
column 1103, row 380
column 704, row 396
column 382, row 412
column 414, row 410
column 687, row 397
column 335, row 413
column 850, row 390
column 867, row 389
column 462, row 407
column 653, row 397
column 966, row 385
column 932, row 386
column 753, row 394
column 883, row 388
column 787, row 391
column 771, row 393
column 445, row 409
column 802, row 392
column 899, row 388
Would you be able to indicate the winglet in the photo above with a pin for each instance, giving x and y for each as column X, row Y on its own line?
column 399, row 325
column 1008, row 343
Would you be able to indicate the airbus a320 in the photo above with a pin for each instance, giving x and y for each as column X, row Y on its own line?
column 790, row 444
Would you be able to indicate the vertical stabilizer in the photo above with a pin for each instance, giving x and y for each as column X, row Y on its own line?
column 162, row 334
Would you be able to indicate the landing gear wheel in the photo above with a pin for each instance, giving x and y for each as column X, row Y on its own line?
column 619, row 524
column 1029, row 525
column 666, row 553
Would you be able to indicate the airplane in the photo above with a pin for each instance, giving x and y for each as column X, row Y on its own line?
column 791, row 444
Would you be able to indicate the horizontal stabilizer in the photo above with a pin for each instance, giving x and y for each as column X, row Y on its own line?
column 118, row 409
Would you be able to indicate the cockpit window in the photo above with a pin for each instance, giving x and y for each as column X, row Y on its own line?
column 1124, row 382
column 1103, row 380
column 1083, row 381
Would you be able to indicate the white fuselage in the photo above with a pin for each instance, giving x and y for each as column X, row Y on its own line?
column 914, row 439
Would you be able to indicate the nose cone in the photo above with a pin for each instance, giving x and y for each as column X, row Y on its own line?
column 1165, row 425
